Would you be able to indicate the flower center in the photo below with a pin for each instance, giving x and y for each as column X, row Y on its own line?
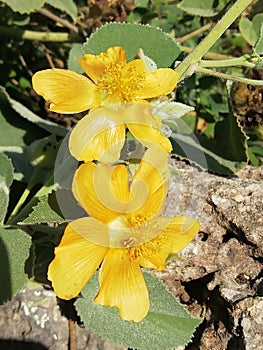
column 120, row 85
column 148, row 248
column 124, row 233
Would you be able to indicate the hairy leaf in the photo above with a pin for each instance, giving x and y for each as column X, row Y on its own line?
column 24, row 6
column 167, row 325
column 203, row 8
column 43, row 213
column 14, row 251
column 189, row 148
column 6, row 179
column 157, row 45
column 67, row 6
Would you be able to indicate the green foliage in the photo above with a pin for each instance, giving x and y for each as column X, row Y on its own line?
column 14, row 243
column 14, row 251
column 230, row 140
column 42, row 153
column 24, row 6
column 75, row 52
column 189, row 147
column 6, row 170
column 6, row 179
column 252, row 31
column 43, row 213
column 133, row 37
column 167, row 325
column 14, row 130
column 67, row 6
column 203, row 8
column 28, row 6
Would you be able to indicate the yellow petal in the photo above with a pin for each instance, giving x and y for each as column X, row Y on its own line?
column 150, row 178
column 150, row 136
column 100, row 135
column 137, row 113
column 158, row 83
column 96, row 65
column 104, row 205
column 144, row 125
column 92, row 230
column 177, row 233
column 122, row 285
column 76, row 260
column 65, row 90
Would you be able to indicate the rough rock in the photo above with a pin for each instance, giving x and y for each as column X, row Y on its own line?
column 221, row 269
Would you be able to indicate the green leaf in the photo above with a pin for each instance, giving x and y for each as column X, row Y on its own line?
column 6, row 169
column 259, row 43
column 33, row 118
column 157, row 45
column 14, row 251
column 167, row 325
column 4, row 198
column 24, row 6
column 14, row 130
column 188, row 147
column 225, row 154
column 253, row 158
column 256, row 150
column 29, row 6
column 67, row 6
column 7, row 102
column 42, row 213
column 257, row 22
column 230, row 140
column 247, row 30
column 6, row 179
column 74, row 53
column 203, row 8
column 42, row 153
column 170, row 110
column 22, row 167
column 141, row 3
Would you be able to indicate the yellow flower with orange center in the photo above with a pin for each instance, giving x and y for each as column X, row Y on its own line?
column 109, row 80
column 115, row 91
column 122, row 234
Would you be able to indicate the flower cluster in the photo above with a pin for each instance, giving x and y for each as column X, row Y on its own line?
column 123, row 230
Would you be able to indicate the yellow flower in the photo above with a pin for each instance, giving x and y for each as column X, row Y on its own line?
column 101, row 134
column 122, row 234
column 110, row 80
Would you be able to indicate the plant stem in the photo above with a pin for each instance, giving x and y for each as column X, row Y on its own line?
column 193, row 58
column 72, row 335
column 207, row 55
column 194, row 33
column 229, row 76
column 57, row 19
column 239, row 61
column 38, row 36
column 47, row 187
column 33, row 181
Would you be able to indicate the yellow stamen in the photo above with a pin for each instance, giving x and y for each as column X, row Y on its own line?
column 119, row 86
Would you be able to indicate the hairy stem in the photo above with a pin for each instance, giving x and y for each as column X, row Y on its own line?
column 231, row 62
column 229, row 76
column 193, row 58
column 38, row 36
